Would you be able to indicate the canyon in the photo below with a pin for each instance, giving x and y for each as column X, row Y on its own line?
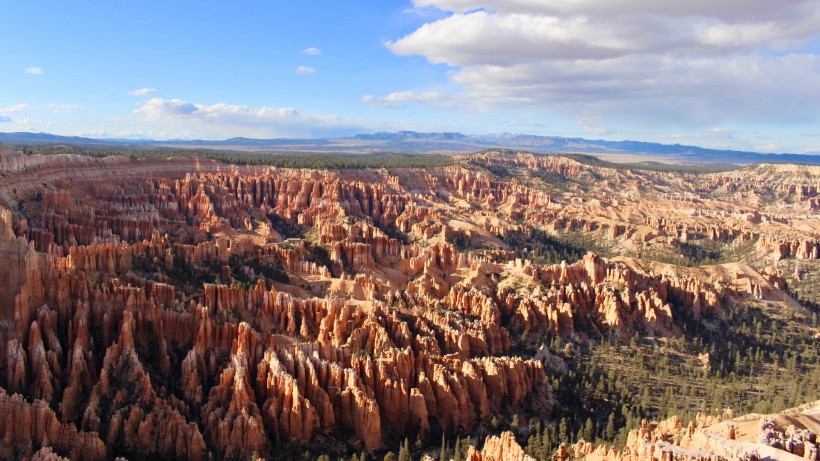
column 192, row 309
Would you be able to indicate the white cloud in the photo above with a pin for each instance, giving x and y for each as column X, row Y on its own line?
column 12, row 109
column 698, row 61
column 702, row 90
column 593, row 123
column 305, row 70
column 142, row 91
column 27, row 124
column 483, row 38
column 227, row 120
column 157, row 108
column 770, row 147
column 726, row 10
column 56, row 108
column 516, row 35
column 4, row 119
column 720, row 132
column 397, row 99
column 312, row 51
column 34, row 70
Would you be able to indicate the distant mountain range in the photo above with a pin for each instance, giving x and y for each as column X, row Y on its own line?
column 414, row 142
column 401, row 136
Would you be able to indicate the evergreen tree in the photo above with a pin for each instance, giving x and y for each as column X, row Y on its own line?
column 404, row 451
column 563, row 431
column 515, row 423
column 548, row 439
column 609, row 432
column 534, row 445
column 457, row 452
column 589, row 430
column 443, row 454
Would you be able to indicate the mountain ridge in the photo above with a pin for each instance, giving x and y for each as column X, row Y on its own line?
column 428, row 142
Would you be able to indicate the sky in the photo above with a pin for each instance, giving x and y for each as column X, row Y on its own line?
column 739, row 74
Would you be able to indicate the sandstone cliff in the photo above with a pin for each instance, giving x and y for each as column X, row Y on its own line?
column 179, row 310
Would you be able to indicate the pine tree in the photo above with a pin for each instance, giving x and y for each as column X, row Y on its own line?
column 563, row 430
column 609, row 432
column 515, row 423
column 548, row 439
column 457, row 453
column 443, row 454
column 461, row 449
column 534, row 445
column 589, row 430
column 404, row 451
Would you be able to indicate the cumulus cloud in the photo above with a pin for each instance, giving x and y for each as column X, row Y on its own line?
column 485, row 38
column 525, row 30
column 727, row 10
column 12, row 109
column 698, row 60
column 312, row 51
column 142, row 91
column 305, row 70
column 227, row 120
column 398, row 99
column 158, row 109
column 34, row 70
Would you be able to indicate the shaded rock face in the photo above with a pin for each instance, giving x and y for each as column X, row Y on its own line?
column 801, row 442
column 151, row 307
column 26, row 425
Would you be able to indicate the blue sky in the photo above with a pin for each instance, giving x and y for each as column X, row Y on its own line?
column 741, row 74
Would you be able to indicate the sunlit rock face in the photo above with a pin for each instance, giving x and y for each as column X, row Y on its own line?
column 188, row 308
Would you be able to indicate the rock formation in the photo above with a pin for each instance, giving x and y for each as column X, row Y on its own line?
column 707, row 438
column 499, row 448
column 151, row 307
